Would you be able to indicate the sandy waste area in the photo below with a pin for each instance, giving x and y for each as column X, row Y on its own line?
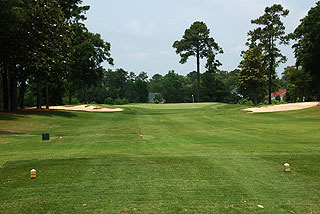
column 85, row 108
column 284, row 107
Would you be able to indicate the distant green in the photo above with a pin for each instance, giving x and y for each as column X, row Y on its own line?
column 192, row 158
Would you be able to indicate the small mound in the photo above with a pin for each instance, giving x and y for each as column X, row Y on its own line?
column 283, row 107
column 86, row 108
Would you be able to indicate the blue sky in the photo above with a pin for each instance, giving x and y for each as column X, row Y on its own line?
column 141, row 32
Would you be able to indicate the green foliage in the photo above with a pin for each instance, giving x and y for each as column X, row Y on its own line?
column 196, row 42
column 299, row 84
column 268, row 36
column 156, row 83
column 216, row 86
column 30, row 99
column 109, row 101
column 308, row 45
column 265, row 102
column 245, row 102
column 119, row 101
column 72, row 11
column 174, row 87
column 249, row 103
column 212, row 88
column 252, row 76
column 90, row 51
column 278, row 98
column 97, row 94
column 158, row 98
column 242, row 101
column 37, row 36
column 141, row 90
column 74, row 101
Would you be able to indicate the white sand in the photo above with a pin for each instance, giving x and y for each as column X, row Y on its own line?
column 284, row 107
column 86, row 108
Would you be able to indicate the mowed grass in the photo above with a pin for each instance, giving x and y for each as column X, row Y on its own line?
column 193, row 158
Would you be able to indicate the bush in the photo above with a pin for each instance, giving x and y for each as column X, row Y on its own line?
column 278, row 98
column 74, row 101
column 248, row 103
column 109, row 101
column 121, row 101
column 242, row 102
column 158, row 98
column 274, row 102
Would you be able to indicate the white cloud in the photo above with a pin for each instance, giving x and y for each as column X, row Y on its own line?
column 141, row 28
column 140, row 55
column 165, row 53
column 142, row 36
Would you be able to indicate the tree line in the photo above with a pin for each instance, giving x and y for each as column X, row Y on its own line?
column 257, row 73
column 48, row 56
column 302, row 80
column 46, row 49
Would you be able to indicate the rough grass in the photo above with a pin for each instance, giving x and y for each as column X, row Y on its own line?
column 193, row 158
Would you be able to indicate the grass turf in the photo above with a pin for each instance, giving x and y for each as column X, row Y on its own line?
column 193, row 158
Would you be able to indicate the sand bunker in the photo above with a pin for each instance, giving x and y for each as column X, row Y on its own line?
column 86, row 108
column 284, row 107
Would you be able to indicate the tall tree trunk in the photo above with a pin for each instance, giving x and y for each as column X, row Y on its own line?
column 13, row 92
column 198, row 76
column 38, row 92
column 271, row 66
column 47, row 93
column 270, row 77
column 84, row 93
column 5, row 86
column 21, row 94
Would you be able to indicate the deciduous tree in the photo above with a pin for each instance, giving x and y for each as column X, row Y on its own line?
column 299, row 81
column 307, row 48
column 252, row 75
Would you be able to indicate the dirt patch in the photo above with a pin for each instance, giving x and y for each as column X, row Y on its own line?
column 284, row 107
column 86, row 108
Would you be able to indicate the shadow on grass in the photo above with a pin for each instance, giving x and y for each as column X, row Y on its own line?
column 11, row 133
column 13, row 115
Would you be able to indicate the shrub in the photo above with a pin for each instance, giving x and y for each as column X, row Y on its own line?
column 248, row 103
column 121, row 101
column 265, row 102
column 275, row 102
column 74, row 101
column 109, row 101
column 125, row 101
column 242, row 102
column 158, row 98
